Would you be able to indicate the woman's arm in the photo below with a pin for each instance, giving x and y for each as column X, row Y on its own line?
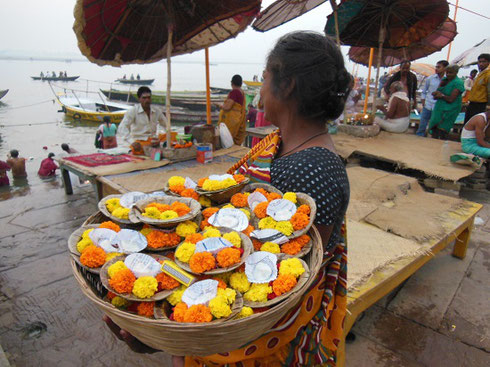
column 228, row 104
column 448, row 98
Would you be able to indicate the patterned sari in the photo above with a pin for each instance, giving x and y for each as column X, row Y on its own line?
column 309, row 334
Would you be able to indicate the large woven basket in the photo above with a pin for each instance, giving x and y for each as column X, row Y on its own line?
column 224, row 195
column 205, row 339
column 74, row 238
column 247, row 250
column 136, row 216
column 103, row 209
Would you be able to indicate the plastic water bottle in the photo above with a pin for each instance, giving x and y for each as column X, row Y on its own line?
column 445, row 154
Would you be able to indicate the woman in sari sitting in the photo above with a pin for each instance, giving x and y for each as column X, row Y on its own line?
column 233, row 112
column 305, row 84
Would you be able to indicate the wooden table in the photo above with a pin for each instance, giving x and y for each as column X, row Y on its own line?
column 66, row 167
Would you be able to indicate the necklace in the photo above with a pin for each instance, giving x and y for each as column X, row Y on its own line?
column 303, row 143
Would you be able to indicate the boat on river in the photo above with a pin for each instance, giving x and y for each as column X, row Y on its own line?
column 3, row 93
column 56, row 78
column 135, row 81
column 91, row 110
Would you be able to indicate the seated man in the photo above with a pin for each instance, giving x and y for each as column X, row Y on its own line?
column 397, row 115
column 476, row 134
column 18, row 165
column 48, row 167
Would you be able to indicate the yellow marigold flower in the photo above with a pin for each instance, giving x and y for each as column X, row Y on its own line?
column 267, row 222
column 219, row 307
column 152, row 212
column 146, row 231
column 228, row 206
column 186, row 228
column 145, row 287
column 204, row 201
column 234, row 238
column 291, row 196
column 86, row 233
column 120, row 302
column 111, row 255
column 225, row 277
column 258, row 292
column 245, row 312
column 229, row 182
column 246, row 212
column 285, row 227
column 112, row 204
column 114, row 268
column 239, row 282
column 176, row 180
column 121, row 212
column 185, row 251
column 246, row 194
column 168, row 214
column 228, row 294
column 271, row 247
column 83, row 244
column 211, row 232
column 176, row 296
column 291, row 266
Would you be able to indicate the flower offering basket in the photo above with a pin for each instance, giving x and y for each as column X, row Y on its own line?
column 103, row 209
column 224, row 195
column 257, row 185
column 72, row 247
column 206, row 338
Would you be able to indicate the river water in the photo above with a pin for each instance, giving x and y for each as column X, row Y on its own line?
column 29, row 119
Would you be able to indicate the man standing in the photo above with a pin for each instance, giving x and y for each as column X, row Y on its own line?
column 479, row 95
column 18, row 165
column 139, row 125
column 408, row 79
column 428, row 101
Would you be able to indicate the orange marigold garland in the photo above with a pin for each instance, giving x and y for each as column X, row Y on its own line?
column 228, row 256
column 303, row 240
column 177, row 188
column 291, row 248
column 93, row 257
column 198, row 313
column 145, row 308
column 299, row 221
column 260, row 210
column 273, row 196
column 305, row 209
column 239, row 178
column 161, row 207
column 201, row 262
column 194, row 238
column 180, row 208
column 207, row 213
column 110, row 225
column 283, row 283
column 239, row 200
column 123, row 281
column 166, row 281
column 189, row 193
column 179, row 311
column 158, row 239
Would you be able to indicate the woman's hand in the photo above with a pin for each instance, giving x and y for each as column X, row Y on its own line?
column 437, row 94
column 134, row 344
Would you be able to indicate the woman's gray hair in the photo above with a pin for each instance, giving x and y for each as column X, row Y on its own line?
column 398, row 86
column 453, row 67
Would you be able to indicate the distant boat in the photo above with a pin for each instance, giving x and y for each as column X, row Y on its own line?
column 135, row 81
column 56, row 78
column 91, row 110
column 3, row 93
column 250, row 83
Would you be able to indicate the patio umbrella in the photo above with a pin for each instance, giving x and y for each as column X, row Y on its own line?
column 118, row 32
column 386, row 23
column 434, row 42
column 470, row 56
column 418, row 68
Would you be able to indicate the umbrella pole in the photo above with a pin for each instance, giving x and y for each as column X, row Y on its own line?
column 169, row 86
column 450, row 44
column 371, row 54
column 382, row 32
column 208, row 93
column 336, row 18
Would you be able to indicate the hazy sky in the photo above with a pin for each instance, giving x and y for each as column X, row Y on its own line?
column 45, row 26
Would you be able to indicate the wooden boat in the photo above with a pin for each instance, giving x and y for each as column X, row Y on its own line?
column 91, row 110
column 3, row 93
column 57, row 78
column 135, row 81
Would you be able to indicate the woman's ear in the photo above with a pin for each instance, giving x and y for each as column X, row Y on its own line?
column 288, row 89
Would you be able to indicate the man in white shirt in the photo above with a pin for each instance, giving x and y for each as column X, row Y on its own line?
column 140, row 124
column 428, row 101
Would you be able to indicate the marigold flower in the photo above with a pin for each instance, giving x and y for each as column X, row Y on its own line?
column 221, row 283
column 245, row 312
column 112, row 204
column 248, row 230
column 185, row 251
column 246, row 212
column 267, row 222
column 122, row 213
column 176, row 180
column 234, row 238
column 211, row 185
column 239, row 281
column 200, row 182
column 228, row 206
column 291, row 266
column 198, row 313
column 83, row 244
column 211, row 232
column 120, row 302
column 146, row 309
column 273, row 196
column 186, row 228
column 257, row 244
column 180, row 208
column 258, row 292
column 145, row 287
column 169, row 214
column 179, row 311
column 207, row 213
column 219, row 307
column 122, row 281
column 303, row 240
column 299, row 221
column 151, row 212
column 225, row 277
column 291, row 248
column 189, row 193
column 204, row 224
column 285, row 227
column 291, row 196
column 178, row 189
column 86, row 233
column 93, row 257
column 284, row 283
column 204, row 201
column 176, row 295
column 201, row 262
column 228, row 256
column 111, row 255
column 110, row 295
column 262, row 191
column 305, row 209
column 114, row 268
column 260, row 210
column 194, row 238
column 166, row 281
column 239, row 178
column 161, row 207
column 270, row 247
column 110, row 225
column 239, row 200
column 228, row 293
column 158, row 239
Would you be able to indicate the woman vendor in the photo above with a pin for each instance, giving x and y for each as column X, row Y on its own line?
column 475, row 136
column 305, row 84
column 233, row 111
column 108, row 131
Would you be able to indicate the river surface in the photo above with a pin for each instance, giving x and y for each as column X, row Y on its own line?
column 29, row 117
